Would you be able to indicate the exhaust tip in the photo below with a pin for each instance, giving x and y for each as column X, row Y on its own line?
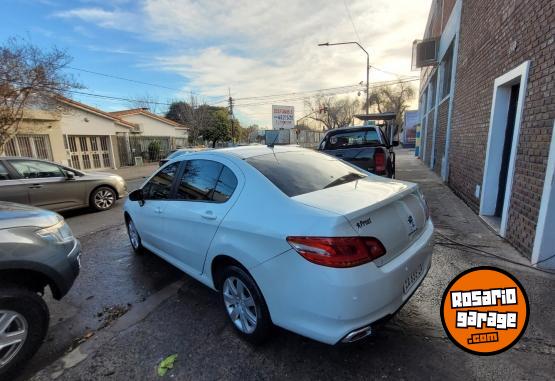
column 357, row 334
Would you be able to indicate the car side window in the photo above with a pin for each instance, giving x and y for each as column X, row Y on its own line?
column 199, row 180
column 226, row 186
column 4, row 174
column 160, row 186
column 31, row 169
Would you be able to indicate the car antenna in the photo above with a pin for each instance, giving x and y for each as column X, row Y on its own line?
column 271, row 145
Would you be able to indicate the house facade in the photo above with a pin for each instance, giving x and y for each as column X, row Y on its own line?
column 487, row 110
column 87, row 138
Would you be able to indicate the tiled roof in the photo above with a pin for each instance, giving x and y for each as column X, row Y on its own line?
column 142, row 111
column 94, row 110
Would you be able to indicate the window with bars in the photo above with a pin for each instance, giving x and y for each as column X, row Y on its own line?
column 35, row 146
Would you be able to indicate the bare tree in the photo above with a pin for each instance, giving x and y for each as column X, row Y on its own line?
column 392, row 98
column 193, row 114
column 149, row 102
column 29, row 79
column 332, row 111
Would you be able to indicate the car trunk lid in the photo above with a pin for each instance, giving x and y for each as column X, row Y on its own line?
column 389, row 210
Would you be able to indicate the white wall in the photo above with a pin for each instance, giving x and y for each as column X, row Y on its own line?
column 75, row 121
column 152, row 127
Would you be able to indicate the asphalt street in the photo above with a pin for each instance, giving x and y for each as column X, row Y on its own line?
column 128, row 312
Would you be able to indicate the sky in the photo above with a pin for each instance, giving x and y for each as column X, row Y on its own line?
column 249, row 49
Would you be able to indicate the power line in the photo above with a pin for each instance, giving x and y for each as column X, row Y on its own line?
column 352, row 22
column 123, row 79
column 323, row 92
column 259, row 97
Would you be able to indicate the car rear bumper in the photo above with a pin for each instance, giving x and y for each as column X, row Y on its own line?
column 327, row 304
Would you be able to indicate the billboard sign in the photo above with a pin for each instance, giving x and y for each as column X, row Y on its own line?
column 283, row 117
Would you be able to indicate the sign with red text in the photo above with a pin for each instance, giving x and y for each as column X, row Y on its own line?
column 283, row 117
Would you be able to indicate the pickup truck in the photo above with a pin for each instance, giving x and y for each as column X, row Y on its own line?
column 363, row 146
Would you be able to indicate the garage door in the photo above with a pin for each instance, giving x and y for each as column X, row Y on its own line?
column 89, row 152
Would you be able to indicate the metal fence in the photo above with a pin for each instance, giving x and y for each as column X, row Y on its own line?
column 307, row 139
column 138, row 150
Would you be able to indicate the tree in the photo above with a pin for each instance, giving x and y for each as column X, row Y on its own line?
column 219, row 129
column 193, row 114
column 392, row 98
column 332, row 111
column 29, row 79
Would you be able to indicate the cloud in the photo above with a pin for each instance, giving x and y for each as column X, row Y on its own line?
column 261, row 47
column 115, row 19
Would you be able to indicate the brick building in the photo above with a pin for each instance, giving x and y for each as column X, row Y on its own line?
column 487, row 110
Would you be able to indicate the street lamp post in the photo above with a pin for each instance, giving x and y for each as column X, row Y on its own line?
column 367, row 67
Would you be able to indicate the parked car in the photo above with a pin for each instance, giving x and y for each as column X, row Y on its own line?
column 37, row 250
column 178, row 152
column 365, row 146
column 56, row 187
column 288, row 236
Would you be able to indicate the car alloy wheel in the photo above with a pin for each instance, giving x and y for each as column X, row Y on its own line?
column 133, row 235
column 240, row 304
column 104, row 198
column 13, row 333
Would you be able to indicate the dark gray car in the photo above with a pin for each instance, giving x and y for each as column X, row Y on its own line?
column 364, row 146
column 37, row 250
column 56, row 187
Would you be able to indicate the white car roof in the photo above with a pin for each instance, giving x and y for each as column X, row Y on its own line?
column 251, row 151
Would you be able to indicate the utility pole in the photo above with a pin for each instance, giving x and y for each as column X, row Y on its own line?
column 231, row 117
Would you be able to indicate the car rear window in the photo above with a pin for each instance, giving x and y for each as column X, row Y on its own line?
column 300, row 172
column 348, row 139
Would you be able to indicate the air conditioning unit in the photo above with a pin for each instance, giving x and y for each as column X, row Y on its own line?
column 137, row 129
column 424, row 53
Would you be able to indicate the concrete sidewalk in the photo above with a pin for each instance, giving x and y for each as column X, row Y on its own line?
column 133, row 173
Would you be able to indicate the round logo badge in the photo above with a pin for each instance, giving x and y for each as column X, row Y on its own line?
column 485, row 310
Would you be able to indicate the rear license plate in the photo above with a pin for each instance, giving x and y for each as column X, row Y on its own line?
column 413, row 278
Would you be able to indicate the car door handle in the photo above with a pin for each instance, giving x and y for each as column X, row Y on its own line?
column 208, row 215
column 35, row 186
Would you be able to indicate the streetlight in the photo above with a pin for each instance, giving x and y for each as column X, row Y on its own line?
column 367, row 67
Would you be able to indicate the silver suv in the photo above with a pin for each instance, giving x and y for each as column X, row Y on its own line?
column 37, row 250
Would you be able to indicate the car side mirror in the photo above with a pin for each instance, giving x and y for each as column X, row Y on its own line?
column 70, row 175
column 137, row 195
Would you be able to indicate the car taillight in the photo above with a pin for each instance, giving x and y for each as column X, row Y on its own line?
column 338, row 251
column 379, row 160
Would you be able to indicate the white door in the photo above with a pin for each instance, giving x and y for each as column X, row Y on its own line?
column 204, row 194
column 89, row 152
column 149, row 218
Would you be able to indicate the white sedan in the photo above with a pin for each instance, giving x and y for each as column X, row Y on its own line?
column 288, row 236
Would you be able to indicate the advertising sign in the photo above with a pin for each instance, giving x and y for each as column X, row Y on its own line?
column 283, row 117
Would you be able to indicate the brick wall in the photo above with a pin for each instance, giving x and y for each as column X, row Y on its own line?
column 495, row 37
column 441, row 132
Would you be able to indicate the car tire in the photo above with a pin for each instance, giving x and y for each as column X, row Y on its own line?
column 29, row 314
column 244, row 305
column 103, row 198
column 134, row 237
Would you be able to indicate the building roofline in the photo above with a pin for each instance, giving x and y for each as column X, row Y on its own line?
column 96, row 111
column 142, row 111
